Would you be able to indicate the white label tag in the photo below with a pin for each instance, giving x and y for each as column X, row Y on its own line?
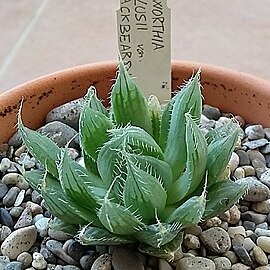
column 144, row 42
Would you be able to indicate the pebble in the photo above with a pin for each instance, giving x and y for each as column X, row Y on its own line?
column 75, row 250
column 4, row 260
column 243, row 255
column 38, row 261
column 6, row 218
column 211, row 222
column 265, row 149
column 48, row 255
column 26, row 161
column 61, row 134
column 19, row 198
column 104, row 262
column 262, row 232
column 36, row 197
column 255, row 132
column 254, row 217
column 256, row 143
column 222, row 263
column 216, row 239
column 231, row 256
column 14, row 266
column 248, row 244
column 235, row 215
column 211, row 112
column 68, row 113
column 19, row 241
column 42, row 226
column 5, row 231
column 20, row 150
column 261, row 207
column 35, row 208
column 15, row 179
column 87, row 261
column 265, row 177
column 264, row 243
column 25, row 219
column 5, row 164
column 249, row 170
column 257, row 191
column 57, row 248
column 191, row 241
column 239, row 173
column 198, row 263
column 58, row 235
column 25, row 258
column 232, row 231
column 243, row 157
column 240, row 266
column 16, row 211
column 3, row 190
column 263, row 225
column 234, row 161
column 11, row 196
column 194, row 230
column 260, row 256
column 249, row 225
column 125, row 258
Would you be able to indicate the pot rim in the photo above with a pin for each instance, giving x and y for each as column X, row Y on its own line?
column 245, row 78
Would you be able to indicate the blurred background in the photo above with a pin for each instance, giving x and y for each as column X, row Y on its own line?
column 42, row 36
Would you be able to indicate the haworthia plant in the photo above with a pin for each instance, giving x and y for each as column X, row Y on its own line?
column 149, row 170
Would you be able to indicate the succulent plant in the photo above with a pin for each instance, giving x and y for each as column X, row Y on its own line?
column 149, row 171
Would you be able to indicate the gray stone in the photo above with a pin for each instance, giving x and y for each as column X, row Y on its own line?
column 263, row 225
column 256, row 155
column 164, row 265
column 231, row 256
column 68, row 113
column 198, row 263
column 240, row 266
column 264, row 243
column 14, row 266
column 265, row 178
column 262, row 232
column 125, row 258
column 249, row 225
column 191, row 241
column 61, row 134
column 5, row 164
column 265, row 149
column 222, row 263
column 211, row 112
column 6, row 218
column 58, row 235
column 254, row 217
column 57, row 249
column 3, row 190
column 255, row 144
column 248, row 244
column 5, row 231
column 16, row 211
column 249, row 170
column 11, row 196
column 87, row 261
column 267, row 133
column 104, row 262
column 216, row 239
column 4, row 260
column 261, row 207
column 15, row 179
column 19, row 241
column 232, row 231
column 42, row 226
column 48, row 255
column 255, row 132
column 25, row 219
column 243, row 255
column 260, row 256
column 257, row 191
column 27, row 161
column 15, row 140
column 25, row 258
column 75, row 250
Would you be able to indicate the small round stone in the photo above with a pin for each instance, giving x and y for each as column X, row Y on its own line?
column 199, row 263
column 42, row 226
column 263, row 225
column 264, row 243
column 232, row 231
column 5, row 164
column 254, row 217
column 240, row 266
column 255, row 132
column 235, row 215
column 35, row 208
column 255, row 144
column 211, row 112
column 6, row 218
column 262, row 207
column 260, row 256
column 58, row 235
column 249, row 170
column 249, row 225
column 19, row 198
column 222, row 263
column 11, row 196
column 262, row 232
column 265, row 177
column 38, row 261
column 87, row 261
column 211, row 222
column 4, row 260
column 3, row 190
column 234, row 161
column 248, row 244
column 15, row 179
column 5, row 231
column 25, row 219
column 243, row 157
column 25, row 258
column 14, row 266
column 231, row 256
column 191, row 241
column 216, row 239
column 243, row 255
column 103, row 262
column 239, row 173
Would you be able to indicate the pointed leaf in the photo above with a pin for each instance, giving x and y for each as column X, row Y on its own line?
column 128, row 102
column 188, row 100
column 89, row 163
column 41, row 147
column 59, row 225
column 142, row 189
column 195, row 165
column 155, row 115
column 167, row 251
column 93, row 131
column 219, row 154
column 222, row 196
column 118, row 219
column 157, row 235
column 97, row 236
column 189, row 213
column 34, row 178
column 93, row 102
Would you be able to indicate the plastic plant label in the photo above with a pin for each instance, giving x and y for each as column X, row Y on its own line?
column 144, row 42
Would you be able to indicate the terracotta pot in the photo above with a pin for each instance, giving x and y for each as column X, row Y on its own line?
column 231, row 91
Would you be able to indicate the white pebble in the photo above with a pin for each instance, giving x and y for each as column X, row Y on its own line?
column 39, row 261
